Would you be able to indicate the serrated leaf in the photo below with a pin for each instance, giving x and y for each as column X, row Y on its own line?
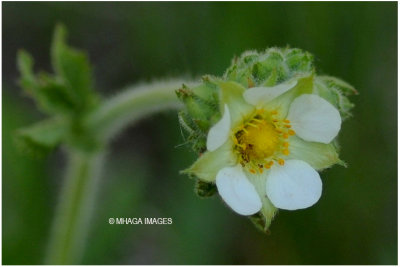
column 42, row 137
column 73, row 68
column 25, row 66
column 51, row 96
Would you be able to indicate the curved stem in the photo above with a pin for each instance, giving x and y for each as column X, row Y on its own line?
column 133, row 104
column 78, row 195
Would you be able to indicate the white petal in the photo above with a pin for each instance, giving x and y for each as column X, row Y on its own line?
column 237, row 191
column 314, row 119
column 295, row 185
column 219, row 133
column 262, row 95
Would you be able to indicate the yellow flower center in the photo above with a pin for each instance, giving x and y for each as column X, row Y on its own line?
column 262, row 140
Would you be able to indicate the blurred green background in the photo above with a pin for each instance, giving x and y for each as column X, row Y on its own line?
column 355, row 222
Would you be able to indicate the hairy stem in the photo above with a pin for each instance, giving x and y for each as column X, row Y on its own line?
column 133, row 104
column 77, row 200
column 73, row 213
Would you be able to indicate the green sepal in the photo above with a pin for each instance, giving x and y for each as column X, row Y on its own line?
column 211, row 162
column 336, row 92
column 231, row 94
column 320, row 156
column 269, row 68
column 204, row 189
column 299, row 61
column 260, row 222
column 268, row 210
column 42, row 137
column 200, row 113
column 208, row 90
column 196, row 136
column 305, row 85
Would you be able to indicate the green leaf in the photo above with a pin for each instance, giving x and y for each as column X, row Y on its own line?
column 25, row 66
column 51, row 96
column 72, row 67
column 42, row 137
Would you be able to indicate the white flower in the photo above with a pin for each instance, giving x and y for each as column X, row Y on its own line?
column 268, row 146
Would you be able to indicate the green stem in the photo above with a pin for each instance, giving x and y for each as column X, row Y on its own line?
column 72, row 221
column 75, row 207
column 133, row 104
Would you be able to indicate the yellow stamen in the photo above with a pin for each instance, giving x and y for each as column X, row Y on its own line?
column 260, row 142
column 260, row 139
column 242, row 146
column 252, row 125
column 286, row 144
